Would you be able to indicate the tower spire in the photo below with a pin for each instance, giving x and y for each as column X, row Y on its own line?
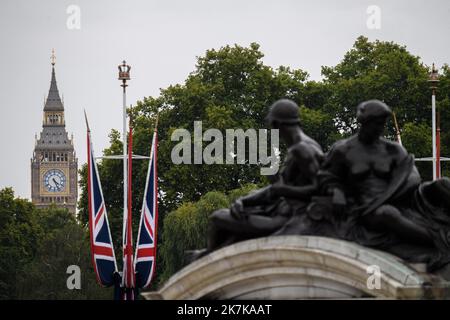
column 53, row 102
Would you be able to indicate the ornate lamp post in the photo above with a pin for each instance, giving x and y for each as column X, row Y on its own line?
column 434, row 80
column 124, row 75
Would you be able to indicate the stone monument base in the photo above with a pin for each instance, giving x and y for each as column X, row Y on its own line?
column 301, row 267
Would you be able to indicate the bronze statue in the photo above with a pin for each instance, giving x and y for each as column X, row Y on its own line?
column 366, row 190
column 263, row 212
column 378, row 196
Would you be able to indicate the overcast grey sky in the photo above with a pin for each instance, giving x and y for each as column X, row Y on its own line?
column 161, row 39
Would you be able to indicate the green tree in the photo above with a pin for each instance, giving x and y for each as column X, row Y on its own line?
column 18, row 240
column 37, row 246
column 443, row 107
column 417, row 139
column 62, row 242
column 378, row 70
column 388, row 71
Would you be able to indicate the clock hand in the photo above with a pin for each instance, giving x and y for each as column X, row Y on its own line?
column 56, row 183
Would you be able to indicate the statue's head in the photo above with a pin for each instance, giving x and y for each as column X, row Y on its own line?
column 370, row 109
column 372, row 115
column 283, row 112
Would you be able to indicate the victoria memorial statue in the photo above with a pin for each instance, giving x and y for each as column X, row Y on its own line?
column 325, row 220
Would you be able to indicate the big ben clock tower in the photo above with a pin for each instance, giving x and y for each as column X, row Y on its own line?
column 54, row 166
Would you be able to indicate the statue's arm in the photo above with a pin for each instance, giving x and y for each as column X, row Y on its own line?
column 260, row 196
column 332, row 174
column 295, row 192
column 414, row 179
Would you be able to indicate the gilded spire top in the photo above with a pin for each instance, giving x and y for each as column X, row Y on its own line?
column 53, row 57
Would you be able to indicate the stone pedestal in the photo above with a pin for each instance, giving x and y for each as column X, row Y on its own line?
column 301, row 267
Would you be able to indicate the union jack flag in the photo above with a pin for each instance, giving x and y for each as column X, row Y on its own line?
column 128, row 279
column 102, row 251
column 145, row 254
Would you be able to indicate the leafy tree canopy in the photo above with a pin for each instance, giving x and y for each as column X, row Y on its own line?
column 37, row 246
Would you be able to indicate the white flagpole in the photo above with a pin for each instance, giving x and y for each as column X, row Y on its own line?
column 124, row 75
column 433, row 80
column 433, row 126
column 125, row 166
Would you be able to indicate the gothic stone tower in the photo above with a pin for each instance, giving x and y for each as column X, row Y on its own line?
column 54, row 164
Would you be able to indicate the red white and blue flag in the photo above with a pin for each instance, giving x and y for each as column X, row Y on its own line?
column 128, row 278
column 145, row 255
column 102, row 251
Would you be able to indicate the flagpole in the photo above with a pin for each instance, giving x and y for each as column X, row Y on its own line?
column 124, row 75
column 433, row 126
column 399, row 138
column 433, row 80
column 438, row 147
column 125, row 159
column 130, row 283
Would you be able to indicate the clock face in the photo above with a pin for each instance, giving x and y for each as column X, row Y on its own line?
column 54, row 180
